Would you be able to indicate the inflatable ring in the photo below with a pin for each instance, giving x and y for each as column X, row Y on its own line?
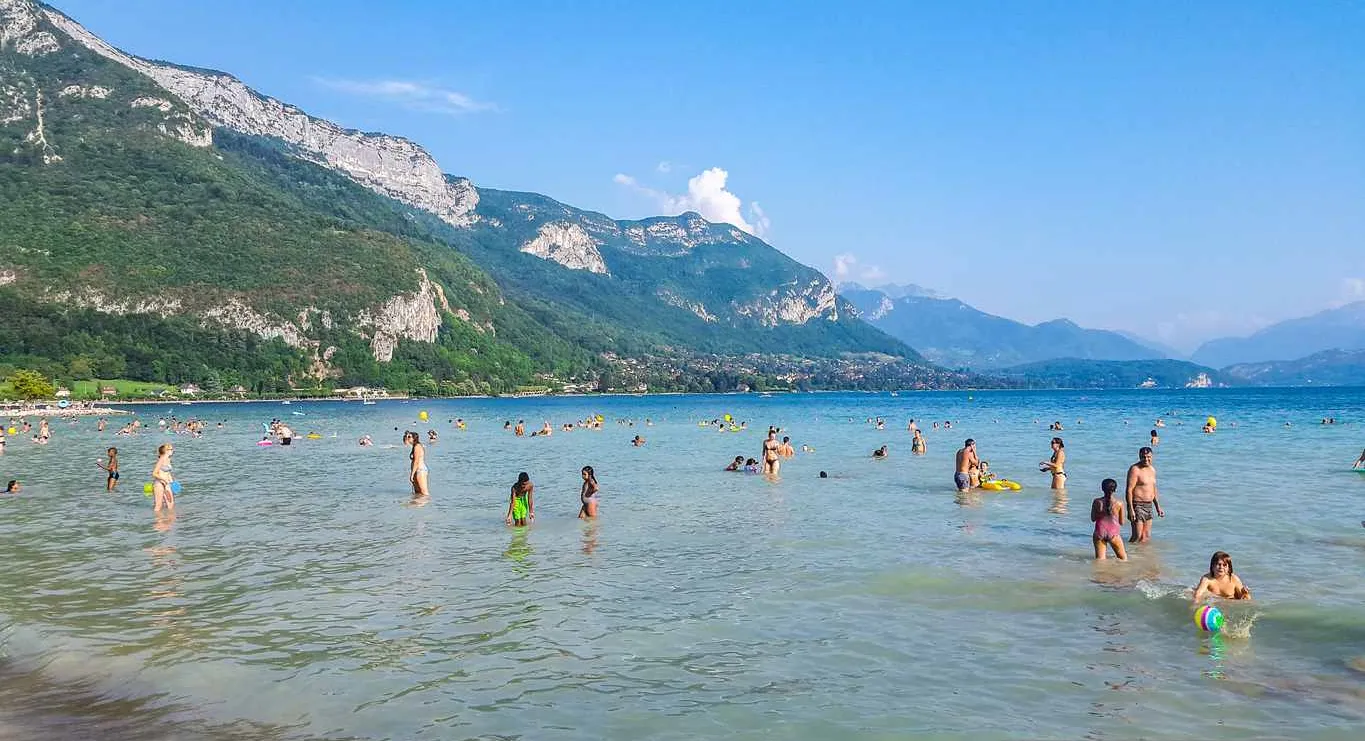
column 993, row 486
column 1011, row 485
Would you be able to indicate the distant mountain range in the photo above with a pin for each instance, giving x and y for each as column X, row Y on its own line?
column 1326, row 368
column 956, row 335
column 1342, row 328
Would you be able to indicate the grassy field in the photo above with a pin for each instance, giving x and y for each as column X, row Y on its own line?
column 90, row 390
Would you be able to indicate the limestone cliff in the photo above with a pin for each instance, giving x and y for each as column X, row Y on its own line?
column 390, row 165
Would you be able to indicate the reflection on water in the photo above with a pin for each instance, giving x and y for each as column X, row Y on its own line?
column 714, row 599
column 1059, row 502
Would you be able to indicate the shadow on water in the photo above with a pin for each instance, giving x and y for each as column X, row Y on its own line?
column 37, row 709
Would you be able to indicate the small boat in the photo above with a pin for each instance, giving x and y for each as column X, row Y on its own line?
column 286, row 402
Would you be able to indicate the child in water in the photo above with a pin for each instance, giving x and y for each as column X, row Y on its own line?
column 1107, row 514
column 1220, row 581
column 521, row 505
column 111, row 468
column 588, row 495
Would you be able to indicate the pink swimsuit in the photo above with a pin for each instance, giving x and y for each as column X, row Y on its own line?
column 1107, row 526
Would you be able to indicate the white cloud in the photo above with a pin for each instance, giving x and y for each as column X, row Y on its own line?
column 847, row 266
column 843, row 266
column 417, row 96
column 1352, row 290
column 708, row 195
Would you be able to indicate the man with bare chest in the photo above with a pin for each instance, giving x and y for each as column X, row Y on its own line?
column 1141, row 497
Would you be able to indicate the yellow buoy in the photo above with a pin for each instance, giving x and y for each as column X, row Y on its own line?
column 422, row 415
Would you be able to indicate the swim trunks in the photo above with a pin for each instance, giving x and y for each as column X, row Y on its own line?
column 1142, row 511
column 519, row 508
column 962, row 481
column 113, row 475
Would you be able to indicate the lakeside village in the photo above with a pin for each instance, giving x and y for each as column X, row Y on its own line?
column 28, row 392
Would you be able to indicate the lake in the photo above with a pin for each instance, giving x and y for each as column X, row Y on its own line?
column 299, row 594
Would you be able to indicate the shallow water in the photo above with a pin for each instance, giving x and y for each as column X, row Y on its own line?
column 297, row 594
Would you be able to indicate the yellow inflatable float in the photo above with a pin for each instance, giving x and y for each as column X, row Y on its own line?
column 1002, row 485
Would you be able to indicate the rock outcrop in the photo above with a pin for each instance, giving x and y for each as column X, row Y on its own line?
column 390, row 165
column 19, row 29
column 410, row 316
column 569, row 245
column 793, row 304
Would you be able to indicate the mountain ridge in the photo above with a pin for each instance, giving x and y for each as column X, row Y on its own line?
column 1339, row 328
column 951, row 332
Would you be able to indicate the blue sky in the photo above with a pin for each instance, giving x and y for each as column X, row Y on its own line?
column 1179, row 170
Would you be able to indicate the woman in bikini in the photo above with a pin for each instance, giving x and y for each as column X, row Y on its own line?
column 1220, row 581
column 1057, row 464
column 162, row 479
column 588, row 495
column 521, row 505
column 418, row 457
column 1107, row 514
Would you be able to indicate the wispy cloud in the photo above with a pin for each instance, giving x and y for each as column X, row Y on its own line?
column 1352, row 290
column 708, row 195
column 664, row 167
column 417, row 96
column 847, row 267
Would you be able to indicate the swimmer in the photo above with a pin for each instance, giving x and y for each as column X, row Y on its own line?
column 418, row 472
column 1156, row 439
column 111, row 468
column 431, row 436
column 1107, row 514
column 967, row 466
column 786, row 450
column 1140, row 496
column 100, row 426
column 588, row 495
column 824, row 475
column 1360, row 462
column 162, row 479
column 365, row 441
column 1220, row 582
column 1056, row 465
column 771, row 462
column 751, row 466
column 637, row 441
column 807, row 449
column 521, row 505
column 13, row 487
column 736, row 464
column 879, row 452
column 520, row 429
column 917, row 444
column 459, row 424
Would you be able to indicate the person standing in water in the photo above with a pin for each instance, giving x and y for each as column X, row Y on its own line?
column 967, row 466
column 1057, row 464
column 521, row 505
column 917, row 445
column 162, row 479
column 418, row 459
column 1107, row 514
column 1360, row 462
column 1220, row 581
column 111, row 481
column 1156, row 439
column 588, row 495
column 1140, row 495
column 771, row 460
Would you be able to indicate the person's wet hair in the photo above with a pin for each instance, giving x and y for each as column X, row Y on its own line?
column 1218, row 557
column 824, row 475
column 523, row 477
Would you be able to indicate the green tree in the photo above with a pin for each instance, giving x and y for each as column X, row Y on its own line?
column 29, row 384
column 81, row 368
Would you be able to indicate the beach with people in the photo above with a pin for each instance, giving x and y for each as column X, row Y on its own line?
column 292, row 585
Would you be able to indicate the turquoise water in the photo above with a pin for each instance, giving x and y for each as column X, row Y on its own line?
column 299, row 594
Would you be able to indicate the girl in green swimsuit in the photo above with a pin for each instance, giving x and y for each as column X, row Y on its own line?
column 521, row 505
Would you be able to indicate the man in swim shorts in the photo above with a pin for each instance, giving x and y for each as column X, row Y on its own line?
column 1140, row 494
column 967, row 462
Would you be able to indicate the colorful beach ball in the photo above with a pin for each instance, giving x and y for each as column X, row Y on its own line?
column 1209, row 619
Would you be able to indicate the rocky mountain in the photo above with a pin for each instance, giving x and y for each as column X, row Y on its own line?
column 1326, row 368
column 1342, row 328
column 951, row 333
column 141, row 201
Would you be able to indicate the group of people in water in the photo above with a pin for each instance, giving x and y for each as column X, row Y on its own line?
column 1139, row 504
